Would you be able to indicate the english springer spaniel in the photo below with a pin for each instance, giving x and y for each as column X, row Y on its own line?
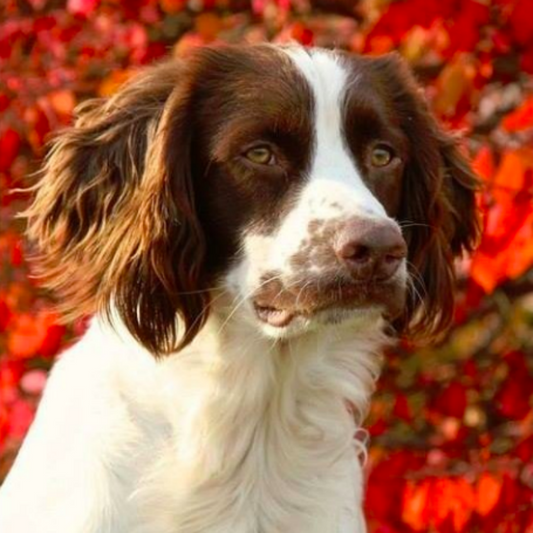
column 250, row 226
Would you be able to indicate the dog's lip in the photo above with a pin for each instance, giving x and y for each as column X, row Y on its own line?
column 273, row 316
column 279, row 313
column 279, row 316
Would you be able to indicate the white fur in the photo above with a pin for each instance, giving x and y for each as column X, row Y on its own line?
column 236, row 434
column 335, row 185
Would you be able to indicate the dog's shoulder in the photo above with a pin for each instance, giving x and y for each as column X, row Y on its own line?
column 87, row 446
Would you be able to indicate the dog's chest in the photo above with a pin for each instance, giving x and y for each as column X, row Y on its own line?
column 271, row 489
column 266, row 460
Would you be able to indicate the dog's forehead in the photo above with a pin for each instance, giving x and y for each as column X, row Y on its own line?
column 274, row 79
column 326, row 72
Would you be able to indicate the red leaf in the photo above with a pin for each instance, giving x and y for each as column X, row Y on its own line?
column 4, row 102
column 82, row 7
column 24, row 338
column 299, row 32
column 521, row 118
column 53, row 335
column 521, row 22
column 386, row 482
column 401, row 407
column 511, row 401
column 4, row 420
column 506, row 250
column 5, row 315
column 441, row 497
column 483, row 164
column 172, row 6
column 462, row 505
column 415, row 505
column 208, row 26
column 526, row 60
column 62, row 102
column 10, row 374
column 466, row 26
column 21, row 415
column 35, row 335
column 452, row 400
column 488, row 492
column 524, row 451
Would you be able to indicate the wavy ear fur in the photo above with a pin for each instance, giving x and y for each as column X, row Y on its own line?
column 113, row 216
column 438, row 205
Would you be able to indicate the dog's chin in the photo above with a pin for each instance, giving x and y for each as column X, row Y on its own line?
column 280, row 326
column 350, row 305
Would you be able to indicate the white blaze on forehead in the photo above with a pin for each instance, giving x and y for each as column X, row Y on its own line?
column 333, row 173
column 332, row 191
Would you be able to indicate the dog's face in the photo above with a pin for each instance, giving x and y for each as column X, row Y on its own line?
column 309, row 186
column 299, row 180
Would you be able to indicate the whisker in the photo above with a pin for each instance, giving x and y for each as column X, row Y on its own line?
column 241, row 301
column 405, row 225
column 301, row 291
column 416, row 276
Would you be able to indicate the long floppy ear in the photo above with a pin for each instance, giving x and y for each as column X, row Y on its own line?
column 438, row 208
column 113, row 216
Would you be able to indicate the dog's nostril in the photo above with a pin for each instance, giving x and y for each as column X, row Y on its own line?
column 388, row 265
column 355, row 252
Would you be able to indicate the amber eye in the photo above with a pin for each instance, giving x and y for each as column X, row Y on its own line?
column 260, row 155
column 381, row 156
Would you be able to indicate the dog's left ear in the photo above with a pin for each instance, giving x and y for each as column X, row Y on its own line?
column 438, row 207
column 114, row 216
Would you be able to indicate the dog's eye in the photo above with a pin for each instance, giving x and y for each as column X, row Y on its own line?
column 260, row 155
column 381, row 156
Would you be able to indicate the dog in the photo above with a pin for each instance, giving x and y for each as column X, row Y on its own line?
column 250, row 227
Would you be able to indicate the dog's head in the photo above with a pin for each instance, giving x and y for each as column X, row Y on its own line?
column 310, row 186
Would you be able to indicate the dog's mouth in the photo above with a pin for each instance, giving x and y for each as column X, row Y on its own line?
column 279, row 307
column 273, row 316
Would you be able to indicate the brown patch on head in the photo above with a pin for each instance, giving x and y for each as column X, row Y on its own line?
column 268, row 102
column 112, row 228
column 142, row 202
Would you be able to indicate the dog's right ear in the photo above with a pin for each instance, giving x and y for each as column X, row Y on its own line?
column 113, row 216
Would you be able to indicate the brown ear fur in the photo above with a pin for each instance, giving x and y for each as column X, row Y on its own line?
column 438, row 205
column 113, row 216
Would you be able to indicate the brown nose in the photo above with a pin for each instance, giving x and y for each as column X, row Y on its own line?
column 372, row 250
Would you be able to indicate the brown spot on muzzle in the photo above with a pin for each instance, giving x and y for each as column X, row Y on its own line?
column 324, row 278
column 317, row 251
column 361, row 249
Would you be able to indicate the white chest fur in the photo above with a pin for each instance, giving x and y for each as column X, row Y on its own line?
column 237, row 434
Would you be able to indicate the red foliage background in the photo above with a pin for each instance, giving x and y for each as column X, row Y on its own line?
column 451, row 426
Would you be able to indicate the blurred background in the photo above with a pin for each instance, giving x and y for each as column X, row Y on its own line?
column 451, row 426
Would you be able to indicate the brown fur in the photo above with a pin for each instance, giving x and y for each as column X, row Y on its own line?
column 114, row 213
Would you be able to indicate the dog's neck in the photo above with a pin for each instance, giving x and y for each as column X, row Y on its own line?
column 232, row 379
column 269, row 415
